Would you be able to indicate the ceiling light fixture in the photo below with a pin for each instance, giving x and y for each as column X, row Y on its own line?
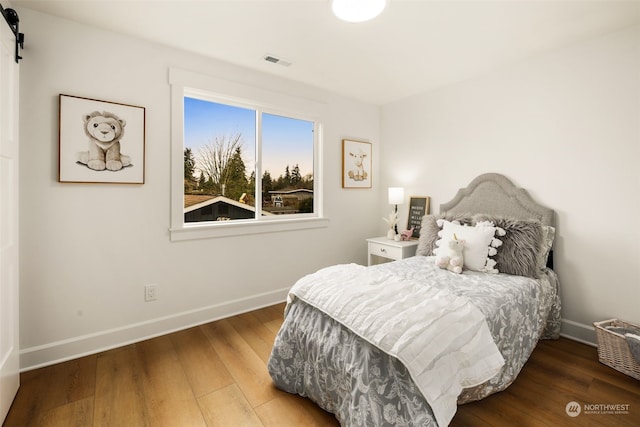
column 357, row 10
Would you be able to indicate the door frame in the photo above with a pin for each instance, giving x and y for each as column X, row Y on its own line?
column 9, row 207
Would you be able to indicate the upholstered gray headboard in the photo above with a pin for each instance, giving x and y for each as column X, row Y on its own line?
column 495, row 194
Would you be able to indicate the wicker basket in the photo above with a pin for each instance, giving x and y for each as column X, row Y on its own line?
column 613, row 349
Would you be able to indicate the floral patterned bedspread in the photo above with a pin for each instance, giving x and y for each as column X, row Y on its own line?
column 317, row 357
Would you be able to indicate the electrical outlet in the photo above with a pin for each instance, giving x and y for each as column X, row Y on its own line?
column 150, row 292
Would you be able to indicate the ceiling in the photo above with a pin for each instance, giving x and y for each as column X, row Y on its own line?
column 412, row 47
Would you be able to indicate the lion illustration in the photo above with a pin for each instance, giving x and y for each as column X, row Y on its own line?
column 105, row 130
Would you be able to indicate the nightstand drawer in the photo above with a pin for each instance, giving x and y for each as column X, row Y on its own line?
column 386, row 251
column 390, row 249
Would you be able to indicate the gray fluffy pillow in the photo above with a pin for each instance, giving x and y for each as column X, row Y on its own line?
column 429, row 231
column 521, row 246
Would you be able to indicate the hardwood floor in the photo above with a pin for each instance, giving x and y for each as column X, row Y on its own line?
column 215, row 375
column 557, row 373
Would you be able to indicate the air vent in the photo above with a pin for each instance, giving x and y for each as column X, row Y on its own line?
column 276, row 60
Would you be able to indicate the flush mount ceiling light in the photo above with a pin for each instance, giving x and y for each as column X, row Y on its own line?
column 357, row 10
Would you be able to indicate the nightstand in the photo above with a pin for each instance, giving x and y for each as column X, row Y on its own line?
column 387, row 248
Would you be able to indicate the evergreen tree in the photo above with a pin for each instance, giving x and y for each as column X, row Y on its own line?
column 189, row 163
column 296, row 178
column 235, row 176
column 267, row 185
column 287, row 176
column 190, row 183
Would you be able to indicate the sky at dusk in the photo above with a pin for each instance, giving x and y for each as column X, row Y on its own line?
column 285, row 141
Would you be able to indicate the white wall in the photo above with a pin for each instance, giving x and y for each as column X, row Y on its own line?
column 566, row 126
column 88, row 250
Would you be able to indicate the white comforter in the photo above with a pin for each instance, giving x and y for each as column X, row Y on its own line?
column 441, row 338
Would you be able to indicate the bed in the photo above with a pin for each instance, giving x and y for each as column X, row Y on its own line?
column 403, row 343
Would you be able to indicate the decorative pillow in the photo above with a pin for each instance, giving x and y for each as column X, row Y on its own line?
column 479, row 245
column 522, row 247
column 548, row 235
column 429, row 231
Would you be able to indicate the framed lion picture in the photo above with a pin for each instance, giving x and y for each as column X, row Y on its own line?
column 100, row 141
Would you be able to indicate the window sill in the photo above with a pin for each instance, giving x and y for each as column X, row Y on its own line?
column 243, row 228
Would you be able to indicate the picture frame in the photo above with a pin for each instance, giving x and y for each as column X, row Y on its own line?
column 418, row 207
column 356, row 164
column 100, row 141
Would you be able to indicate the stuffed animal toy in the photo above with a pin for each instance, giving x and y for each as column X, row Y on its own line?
column 406, row 234
column 451, row 257
column 105, row 130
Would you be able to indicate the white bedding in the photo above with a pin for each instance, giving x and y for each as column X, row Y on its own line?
column 442, row 338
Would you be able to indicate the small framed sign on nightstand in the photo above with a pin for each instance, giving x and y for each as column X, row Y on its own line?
column 418, row 207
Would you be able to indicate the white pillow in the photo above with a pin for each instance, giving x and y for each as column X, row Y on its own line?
column 480, row 244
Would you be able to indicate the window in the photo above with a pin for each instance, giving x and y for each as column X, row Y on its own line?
column 287, row 161
column 249, row 159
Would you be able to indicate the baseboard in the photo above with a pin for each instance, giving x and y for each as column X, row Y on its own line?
column 61, row 351
column 578, row 332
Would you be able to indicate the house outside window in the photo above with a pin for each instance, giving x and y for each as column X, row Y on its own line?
column 249, row 159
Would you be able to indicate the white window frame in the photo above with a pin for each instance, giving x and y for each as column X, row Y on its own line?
column 186, row 83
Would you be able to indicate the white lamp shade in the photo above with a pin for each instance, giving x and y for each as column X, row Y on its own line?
column 396, row 195
column 357, row 10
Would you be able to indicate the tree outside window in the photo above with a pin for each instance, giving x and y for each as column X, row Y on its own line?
column 221, row 148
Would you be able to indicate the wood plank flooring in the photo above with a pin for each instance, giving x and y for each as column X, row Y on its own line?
column 215, row 375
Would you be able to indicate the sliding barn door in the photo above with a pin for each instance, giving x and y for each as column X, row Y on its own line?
column 9, row 350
